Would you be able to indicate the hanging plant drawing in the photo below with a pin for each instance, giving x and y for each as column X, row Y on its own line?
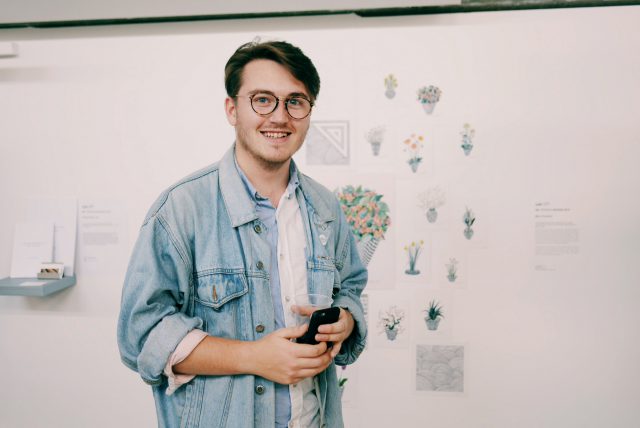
column 467, row 138
column 452, row 270
column 429, row 201
column 413, row 147
column 375, row 137
column 434, row 315
column 390, row 83
column 428, row 96
column 468, row 218
column 413, row 252
column 390, row 322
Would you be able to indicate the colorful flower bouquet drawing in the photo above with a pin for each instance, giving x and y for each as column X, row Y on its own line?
column 375, row 136
column 413, row 146
column 434, row 315
column 428, row 97
column 390, row 83
column 390, row 322
column 468, row 218
column 467, row 138
column 430, row 200
column 413, row 252
column 452, row 269
column 368, row 216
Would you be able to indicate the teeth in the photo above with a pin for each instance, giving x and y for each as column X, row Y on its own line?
column 275, row 134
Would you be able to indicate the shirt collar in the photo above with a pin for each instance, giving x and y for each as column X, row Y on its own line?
column 294, row 182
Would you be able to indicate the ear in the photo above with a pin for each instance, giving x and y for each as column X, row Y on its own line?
column 231, row 110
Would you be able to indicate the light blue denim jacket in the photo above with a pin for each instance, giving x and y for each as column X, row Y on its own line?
column 200, row 262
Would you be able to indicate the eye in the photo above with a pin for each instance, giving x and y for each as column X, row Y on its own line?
column 297, row 102
column 263, row 99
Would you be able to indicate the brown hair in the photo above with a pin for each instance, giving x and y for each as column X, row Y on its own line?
column 285, row 54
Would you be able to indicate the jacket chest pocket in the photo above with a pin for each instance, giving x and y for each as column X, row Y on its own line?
column 322, row 275
column 219, row 303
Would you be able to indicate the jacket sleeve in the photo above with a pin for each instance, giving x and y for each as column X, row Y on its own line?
column 352, row 278
column 155, row 297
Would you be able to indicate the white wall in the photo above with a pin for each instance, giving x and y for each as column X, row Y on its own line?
column 120, row 113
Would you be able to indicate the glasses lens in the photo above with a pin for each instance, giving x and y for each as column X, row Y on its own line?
column 298, row 107
column 263, row 103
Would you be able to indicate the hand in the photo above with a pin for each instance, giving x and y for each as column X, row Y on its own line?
column 337, row 332
column 278, row 359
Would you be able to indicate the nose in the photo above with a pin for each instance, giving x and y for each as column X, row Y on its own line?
column 280, row 115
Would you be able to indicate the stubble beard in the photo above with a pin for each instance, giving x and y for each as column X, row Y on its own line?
column 260, row 159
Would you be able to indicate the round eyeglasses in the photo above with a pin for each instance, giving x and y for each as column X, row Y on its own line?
column 298, row 107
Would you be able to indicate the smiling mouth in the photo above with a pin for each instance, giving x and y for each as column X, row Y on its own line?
column 274, row 134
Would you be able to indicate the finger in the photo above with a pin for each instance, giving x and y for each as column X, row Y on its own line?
column 336, row 327
column 292, row 332
column 336, row 349
column 310, row 351
column 339, row 337
column 302, row 310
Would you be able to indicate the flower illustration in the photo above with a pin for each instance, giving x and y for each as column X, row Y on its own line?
column 467, row 138
column 375, row 136
column 452, row 269
column 468, row 218
column 428, row 97
column 367, row 214
column 413, row 251
column 390, row 322
column 413, row 147
column 430, row 200
column 390, row 83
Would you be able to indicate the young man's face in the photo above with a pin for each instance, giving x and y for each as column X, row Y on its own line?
column 269, row 140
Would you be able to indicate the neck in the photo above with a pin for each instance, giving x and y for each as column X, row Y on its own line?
column 269, row 180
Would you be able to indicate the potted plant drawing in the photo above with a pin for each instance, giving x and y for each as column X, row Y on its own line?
column 413, row 251
column 452, row 270
column 434, row 315
column 467, row 138
column 390, row 321
column 468, row 218
column 413, row 147
column 430, row 200
column 390, row 83
column 428, row 97
column 368, row 216
column 375, row 136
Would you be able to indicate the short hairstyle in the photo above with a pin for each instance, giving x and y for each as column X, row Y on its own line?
column 285, row 54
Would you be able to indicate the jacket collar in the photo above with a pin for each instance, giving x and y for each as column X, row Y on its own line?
column 240, row 206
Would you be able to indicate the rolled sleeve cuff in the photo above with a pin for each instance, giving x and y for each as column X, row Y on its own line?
column 185, row 347
column 161, row 343
column 354, row 345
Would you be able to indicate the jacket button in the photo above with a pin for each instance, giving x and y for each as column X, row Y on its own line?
column 260, row 265
column 259, row 328
column 260, row 389
column 257, row 228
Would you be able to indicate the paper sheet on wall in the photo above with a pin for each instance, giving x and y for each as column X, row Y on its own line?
column 32, row 245
column 101, row 238
column 63, row 214
column 557, row 237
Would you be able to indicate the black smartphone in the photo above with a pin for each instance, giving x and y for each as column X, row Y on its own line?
column 319, row 317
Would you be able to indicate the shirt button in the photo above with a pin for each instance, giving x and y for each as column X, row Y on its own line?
column 260, row 265
column 257, row 228
column 260, row 389
column 287, row 298
column 259, row 328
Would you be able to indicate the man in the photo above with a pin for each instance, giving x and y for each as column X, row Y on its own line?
column 207, row 314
